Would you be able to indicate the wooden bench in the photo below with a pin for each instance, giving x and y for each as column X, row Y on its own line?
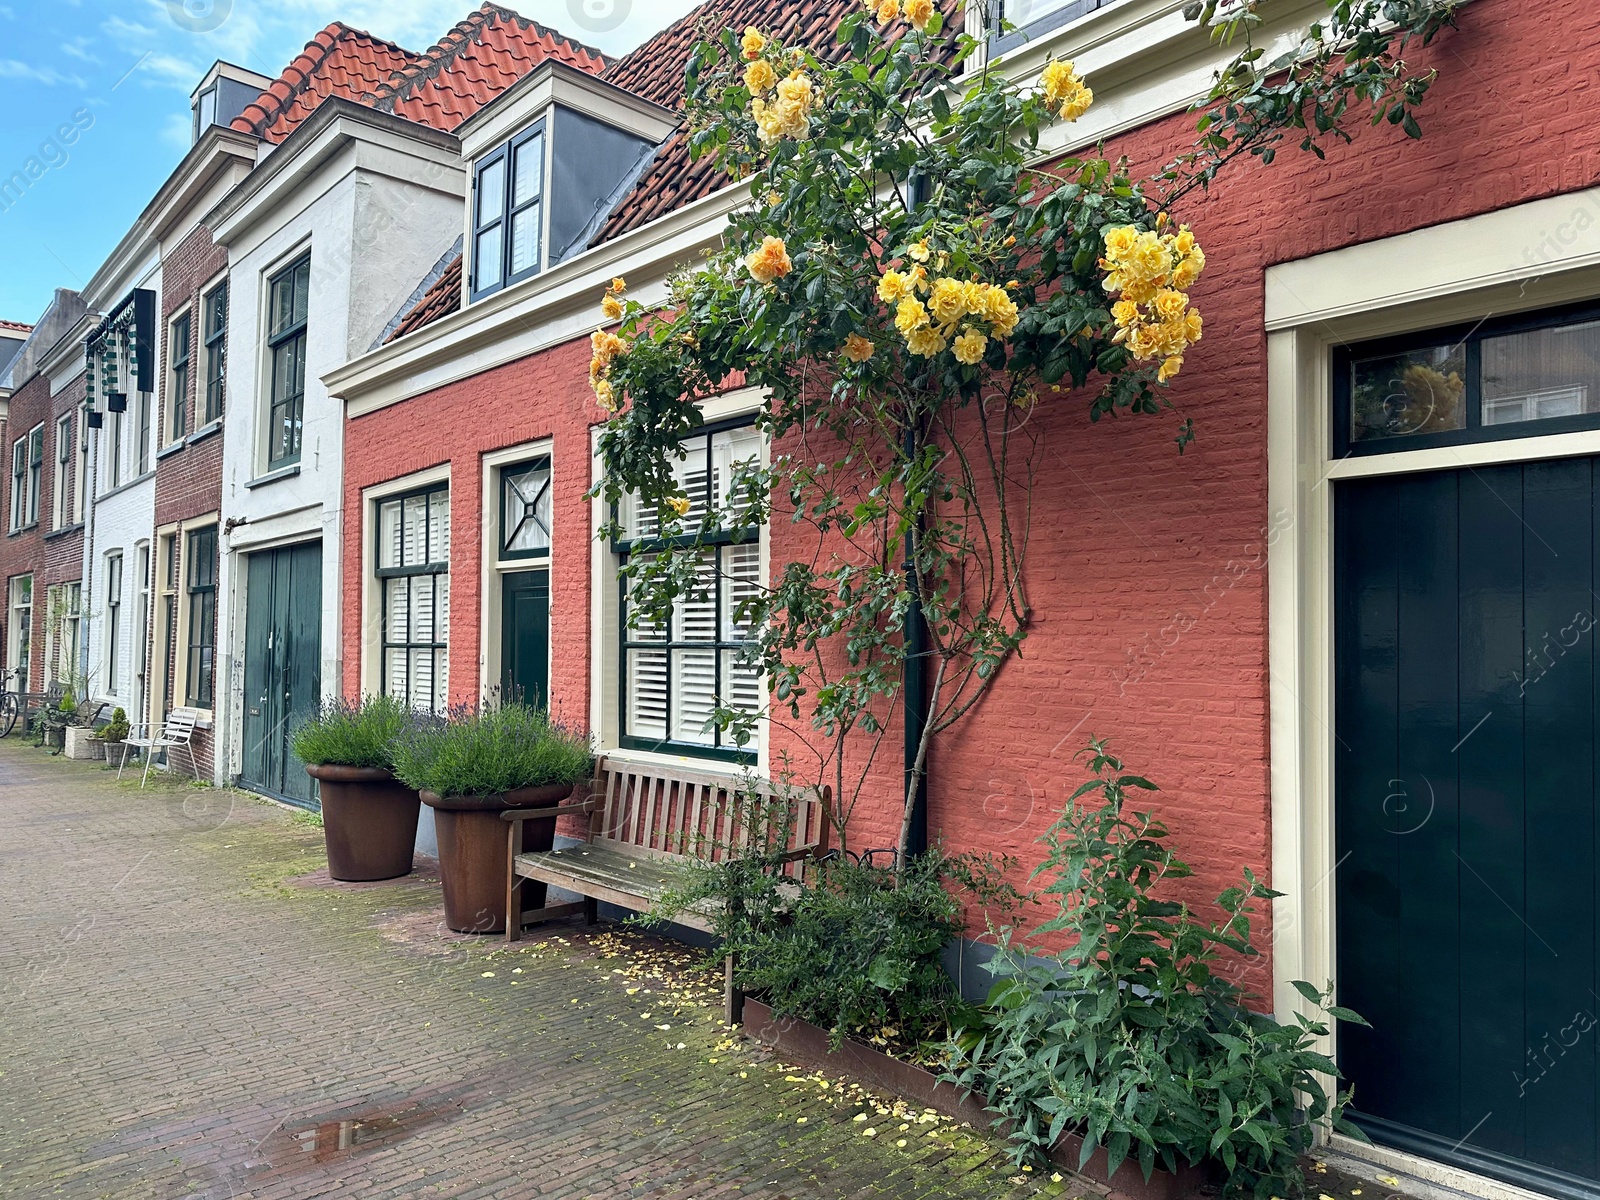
column 646, row 823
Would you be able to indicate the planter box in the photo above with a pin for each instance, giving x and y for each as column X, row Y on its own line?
column 806, row 1043
column 82, row 746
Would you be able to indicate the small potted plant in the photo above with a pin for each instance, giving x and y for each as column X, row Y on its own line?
column 470, row 765
column 56, row 719
column 113, row 733
column 369, row 818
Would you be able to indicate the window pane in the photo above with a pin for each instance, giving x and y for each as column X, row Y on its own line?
column 486, row 258
column 733, row 452
column 1541, row 374
column 415, row 547
column 492, row 191
column 642, row 626
column 389, row 534
column 741, row 685
column 525, row 514
column 302, row 290
column 529, row 178
column 647, row 693
column 694, row 689
column 1420, row 391
column 525, row 239
column 694, row 615
column 439, row 527
column 397, row 610
column 741, row 565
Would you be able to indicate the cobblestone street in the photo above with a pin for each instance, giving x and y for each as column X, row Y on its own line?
column 192, row 1009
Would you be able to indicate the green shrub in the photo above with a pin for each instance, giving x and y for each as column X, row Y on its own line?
column 116, row 729
column 484, row 752
column 68, row 702
column 858, row 951
column 350, row 734
column 1129, row 1036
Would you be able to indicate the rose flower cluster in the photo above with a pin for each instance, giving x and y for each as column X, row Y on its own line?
column 1152, row 271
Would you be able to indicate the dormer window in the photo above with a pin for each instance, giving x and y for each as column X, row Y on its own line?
column 508, row 225
column 1032, row 18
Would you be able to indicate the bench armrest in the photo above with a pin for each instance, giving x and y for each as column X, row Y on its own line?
column 539, row 814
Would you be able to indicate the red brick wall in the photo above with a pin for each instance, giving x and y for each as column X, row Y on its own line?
column 1145, row 570
column 52, row 556
column 188, row 480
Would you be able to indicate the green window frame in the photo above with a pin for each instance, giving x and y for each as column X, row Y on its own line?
column 508, row 212
column 525, row 509
column 670, row 677
column 288, row 296
column 214, row 308
column 200, row 665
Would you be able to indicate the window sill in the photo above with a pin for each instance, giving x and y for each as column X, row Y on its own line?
column 288, row 472
column 22, row 529
column 205, row 431
column 717, row 762
column 75, row 527
column 122, row 487
column 170, row 449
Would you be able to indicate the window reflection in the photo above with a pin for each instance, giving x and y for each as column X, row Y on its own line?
column 1420, row 391
column 1541, row 374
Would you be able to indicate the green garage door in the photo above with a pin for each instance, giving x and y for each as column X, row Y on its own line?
column 1465, row 746
column 282, row 666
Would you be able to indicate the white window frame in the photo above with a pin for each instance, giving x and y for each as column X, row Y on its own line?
column 177, row 397
column 33, row 495
column 493, row 567
column 371, row 584
column 19, row 634
column 605, row 616
column 114, row 633
column 62, row 630
column 19, row 481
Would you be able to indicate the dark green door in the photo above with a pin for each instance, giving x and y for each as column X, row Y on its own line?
column 1465, row 745
column 282, row 666
column 525, row 637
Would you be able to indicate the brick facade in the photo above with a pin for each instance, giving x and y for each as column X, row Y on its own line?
column 1146, row 569
column 188, row 480
column 51, row 554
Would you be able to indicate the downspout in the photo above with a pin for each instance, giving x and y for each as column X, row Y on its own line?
column 914, row 686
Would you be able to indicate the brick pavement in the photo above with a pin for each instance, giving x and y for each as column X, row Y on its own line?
column 186, row 1009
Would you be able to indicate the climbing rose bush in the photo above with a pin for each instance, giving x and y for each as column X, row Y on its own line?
column 916, row 280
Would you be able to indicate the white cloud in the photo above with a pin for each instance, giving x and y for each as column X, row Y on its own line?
column 128, row 31
column 11, row 68
column 171, row 70
column 78, row 48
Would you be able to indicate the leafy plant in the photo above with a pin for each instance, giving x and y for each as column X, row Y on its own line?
column 913, row 295
column 469, row 751
column 1129, row 1036
column 858, row 950
column 116, row 729
column 350, row 733
column 68, row 702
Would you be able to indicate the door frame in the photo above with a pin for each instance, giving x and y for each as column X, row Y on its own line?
column 1532, row 256
column 492, row 568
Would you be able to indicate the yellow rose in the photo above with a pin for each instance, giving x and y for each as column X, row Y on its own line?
column 1124, row 313
column 611, row 307
column 857, row 348
column 1000, row 310
column 910, row 315
column 969, row 346
column 917, row 278
column 679, row 505
column 1183, row 241
column 919, row 13
column 1057, row 79
column 948, row 300
column 619, row 285
column 770, row 261
column 1192, row 324
column 1188, row 270
column 919, row 250
column 1169, row 368
column 759, row 77
column 1170, row 305
column 892, row 286
column 926, row 341
column 604, row 396
column 752, row 43
column 888, row 10
column 1077, row 103
column 1120, row 242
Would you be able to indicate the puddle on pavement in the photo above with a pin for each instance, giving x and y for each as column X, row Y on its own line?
column 306, row 1141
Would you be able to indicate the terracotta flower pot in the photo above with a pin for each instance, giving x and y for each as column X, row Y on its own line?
column 472, row 852
column 369, row 821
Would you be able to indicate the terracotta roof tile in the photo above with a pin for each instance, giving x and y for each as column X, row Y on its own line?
column 15, row 327
column 472, row 64
column 656, row 69
column 483, row 55
column 440, row 300
column 339, row 61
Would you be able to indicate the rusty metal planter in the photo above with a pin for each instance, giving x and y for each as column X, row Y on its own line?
column 369, row 821
column 472, row 852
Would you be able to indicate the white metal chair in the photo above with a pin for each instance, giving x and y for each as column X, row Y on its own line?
column 174, row 734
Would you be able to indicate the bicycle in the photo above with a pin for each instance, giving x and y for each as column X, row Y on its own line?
column 10, row 703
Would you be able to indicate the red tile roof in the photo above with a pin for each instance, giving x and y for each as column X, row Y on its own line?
column 656, row 71
column 15, row 327
column 440, row 300
column 477, row 60
column 483, row 55
column 339, row 61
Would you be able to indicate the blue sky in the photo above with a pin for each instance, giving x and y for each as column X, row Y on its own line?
column 97, row 102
